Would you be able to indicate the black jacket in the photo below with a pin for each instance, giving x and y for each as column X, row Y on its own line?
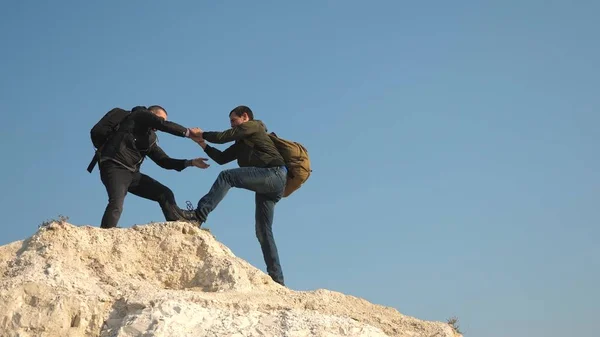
column 252, row 147
column 136, row 139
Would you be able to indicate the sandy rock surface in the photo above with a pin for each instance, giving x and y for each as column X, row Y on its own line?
column 168, row 279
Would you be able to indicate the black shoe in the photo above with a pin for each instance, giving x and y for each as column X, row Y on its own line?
column 190, row 215
column 277, row 279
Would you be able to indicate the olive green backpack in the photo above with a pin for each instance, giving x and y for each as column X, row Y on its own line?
column 296, row 160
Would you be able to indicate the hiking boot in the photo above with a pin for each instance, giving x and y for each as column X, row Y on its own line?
column 190, row 215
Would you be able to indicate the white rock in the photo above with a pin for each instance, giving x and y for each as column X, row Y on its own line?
column 168, row 279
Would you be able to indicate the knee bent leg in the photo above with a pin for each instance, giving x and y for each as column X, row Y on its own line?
column 224, row 175
column 167, row 195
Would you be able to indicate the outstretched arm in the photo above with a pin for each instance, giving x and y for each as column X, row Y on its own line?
column 220, row 157
column 150, row 120
column 236, row 133
column 163, row 160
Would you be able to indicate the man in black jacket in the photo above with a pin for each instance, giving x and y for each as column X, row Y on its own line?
column 123, row 154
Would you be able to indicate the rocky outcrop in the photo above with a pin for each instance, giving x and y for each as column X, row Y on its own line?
column 168, row 279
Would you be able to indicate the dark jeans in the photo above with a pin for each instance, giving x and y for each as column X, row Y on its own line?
column 118, row 181
column 268, row 183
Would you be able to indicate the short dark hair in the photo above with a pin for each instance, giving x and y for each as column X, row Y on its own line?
column 156, row 108
column 240, row 110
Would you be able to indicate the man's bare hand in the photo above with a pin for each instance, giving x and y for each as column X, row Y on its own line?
column 196, row 133
column 200, row 142
column 200, row 163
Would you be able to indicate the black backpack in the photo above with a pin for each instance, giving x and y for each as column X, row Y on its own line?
column 103, row 129
column 106, row 126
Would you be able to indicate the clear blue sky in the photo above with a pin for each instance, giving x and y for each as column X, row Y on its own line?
column 454, row 145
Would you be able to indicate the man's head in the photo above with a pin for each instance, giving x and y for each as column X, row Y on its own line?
column 240, row 115
column 158, row 111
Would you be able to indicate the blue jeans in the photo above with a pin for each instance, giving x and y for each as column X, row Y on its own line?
column 268, row 185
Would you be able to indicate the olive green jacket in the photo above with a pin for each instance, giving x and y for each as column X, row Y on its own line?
column 253, row 146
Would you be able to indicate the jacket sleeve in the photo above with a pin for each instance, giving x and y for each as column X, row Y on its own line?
column 150, row 120
column 222, row 157
column 236, row 133
column 163, row 160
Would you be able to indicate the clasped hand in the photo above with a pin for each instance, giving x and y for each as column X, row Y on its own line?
column 196, row 136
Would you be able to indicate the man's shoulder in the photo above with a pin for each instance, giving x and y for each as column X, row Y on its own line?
column 139, row 112
column 255, row 126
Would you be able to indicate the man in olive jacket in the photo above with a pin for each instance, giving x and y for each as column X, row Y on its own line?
column 262, row 170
